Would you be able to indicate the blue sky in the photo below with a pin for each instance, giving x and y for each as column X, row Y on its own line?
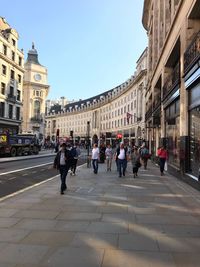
column 88, row 46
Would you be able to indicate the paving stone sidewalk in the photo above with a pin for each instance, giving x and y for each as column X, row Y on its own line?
column 103, row 221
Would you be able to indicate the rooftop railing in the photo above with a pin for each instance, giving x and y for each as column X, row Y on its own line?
column 192, row 54
column 172, row 80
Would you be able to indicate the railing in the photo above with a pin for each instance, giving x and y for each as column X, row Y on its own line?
column 157, row 102
column 11, row 98
column 171, row 81
column 192, row 54
column 149, row 112
column 36, row 120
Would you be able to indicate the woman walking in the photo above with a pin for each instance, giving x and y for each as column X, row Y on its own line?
column 109, row 156
column 163, row 156
column 135, row 159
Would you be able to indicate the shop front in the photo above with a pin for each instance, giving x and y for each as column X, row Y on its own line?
column 194, row 131
column 172, row 132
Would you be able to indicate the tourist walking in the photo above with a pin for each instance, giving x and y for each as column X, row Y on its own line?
column 75, row 153
column 95, row 158
column 109, row 156
column 144, row 153
column 163, row 156
column 62, row 162
column 121, row 157
column 135, row 160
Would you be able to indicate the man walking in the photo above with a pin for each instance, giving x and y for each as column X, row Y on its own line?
column 95, row 158
column 62, row 162
column 75, row 153
column 121, row 157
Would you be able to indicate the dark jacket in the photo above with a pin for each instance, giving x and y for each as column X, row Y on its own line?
column 68, row 159
column 118, row 152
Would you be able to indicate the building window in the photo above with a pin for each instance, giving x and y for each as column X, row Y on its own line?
column 13, row 42
column 10, row 111
column 11, row 91
column 37, row 93
column 18, row 95
column 20, row 61
column 37, row 109
column 5, row 50
column 3, row 69
column 17, row 113
column 19, row 78
column 2, row 109
column 3, row 88
column 12, row 74
column 13, row 55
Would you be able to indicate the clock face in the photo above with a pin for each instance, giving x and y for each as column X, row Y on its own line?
column 37, row 77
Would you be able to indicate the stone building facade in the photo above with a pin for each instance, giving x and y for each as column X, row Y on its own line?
column 120, row 110
column 35, row 91
column 173, row 89
column 11, row 79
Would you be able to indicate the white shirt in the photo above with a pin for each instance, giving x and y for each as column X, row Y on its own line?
column 62, row 158
column 109, row 153
column 121, row 154
column 95, row 153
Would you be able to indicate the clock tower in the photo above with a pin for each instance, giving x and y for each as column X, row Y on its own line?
column 35, row 91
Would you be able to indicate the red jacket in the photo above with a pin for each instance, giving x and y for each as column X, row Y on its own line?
column 162, row 153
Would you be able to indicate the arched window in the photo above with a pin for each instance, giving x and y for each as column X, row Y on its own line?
column 37, row 109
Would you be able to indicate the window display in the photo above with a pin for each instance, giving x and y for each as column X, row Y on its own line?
column 195, row 141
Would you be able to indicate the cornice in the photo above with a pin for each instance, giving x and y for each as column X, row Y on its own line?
column 145, row 15
column 36, row 84
column 14, row 64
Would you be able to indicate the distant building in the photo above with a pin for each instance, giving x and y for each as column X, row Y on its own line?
column 120, row 110
column 11, row 79
column 61, row 102
column 35, row 91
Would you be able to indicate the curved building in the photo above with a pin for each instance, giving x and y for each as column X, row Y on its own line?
column 120, row 110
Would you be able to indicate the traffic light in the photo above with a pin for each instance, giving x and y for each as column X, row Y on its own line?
column 119, row 137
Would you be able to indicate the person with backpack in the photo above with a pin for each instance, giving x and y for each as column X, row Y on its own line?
column 121, row 157
column 75, row 153
column 144, row 153
column 62, row 162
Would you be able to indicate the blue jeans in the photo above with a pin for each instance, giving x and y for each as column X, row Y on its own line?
column 95, row 165
column 122, row 164
column 63, row 174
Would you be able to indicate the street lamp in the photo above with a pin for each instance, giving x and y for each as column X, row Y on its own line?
column 88, row 144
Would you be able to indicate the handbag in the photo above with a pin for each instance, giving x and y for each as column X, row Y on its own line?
column 165, row 166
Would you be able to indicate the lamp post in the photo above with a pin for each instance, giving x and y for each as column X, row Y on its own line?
column 88, row 144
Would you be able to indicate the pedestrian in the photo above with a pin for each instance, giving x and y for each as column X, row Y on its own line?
column 75, row 153
column 95, row 158
column 62, row 163
column 135, row 159
column 109, row 156
column 163, row 156
column 121, row 157
column 102, row 153
column 144, row 153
